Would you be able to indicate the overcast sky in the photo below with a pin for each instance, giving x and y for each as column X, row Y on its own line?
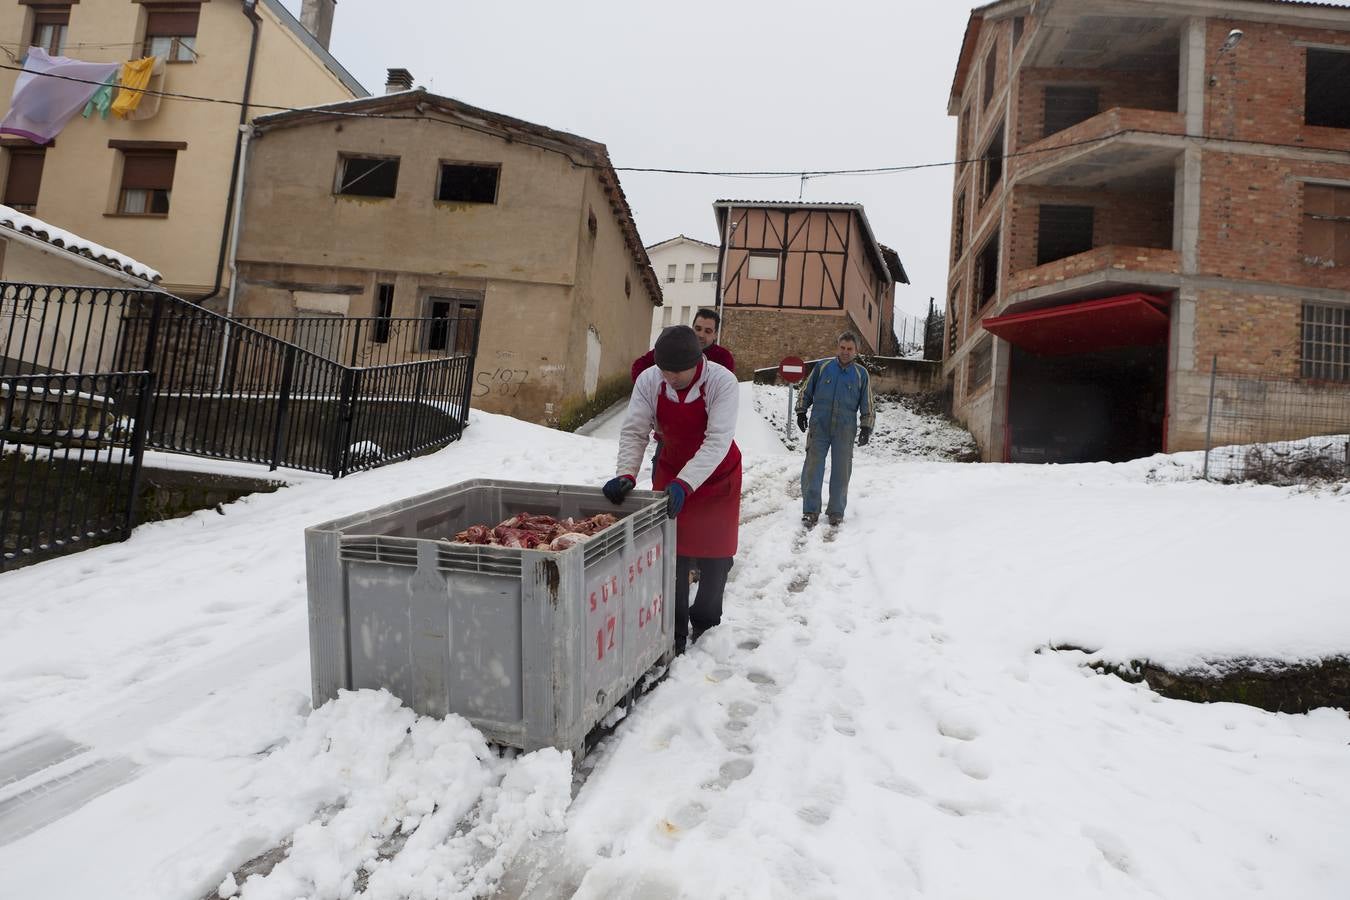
column 730, row 85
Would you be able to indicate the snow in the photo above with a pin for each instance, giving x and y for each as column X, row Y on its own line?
column 878, row 715
column 62, row 239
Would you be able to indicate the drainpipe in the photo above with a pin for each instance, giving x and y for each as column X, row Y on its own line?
column 235, row 216
column 250, row 10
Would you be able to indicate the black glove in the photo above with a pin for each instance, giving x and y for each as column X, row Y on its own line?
column 676, row 493
column 864, row 435
column 801, row 421
column 616, row 489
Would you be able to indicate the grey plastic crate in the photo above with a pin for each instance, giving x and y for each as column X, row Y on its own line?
column 533, row 647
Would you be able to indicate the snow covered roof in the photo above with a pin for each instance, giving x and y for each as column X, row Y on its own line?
column 59, row 238
column 680, row 237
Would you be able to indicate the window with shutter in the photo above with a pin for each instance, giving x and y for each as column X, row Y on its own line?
column 147, row 181
column 1326, row 225
column 24, row 177
column 171, row 32
column 50, row 23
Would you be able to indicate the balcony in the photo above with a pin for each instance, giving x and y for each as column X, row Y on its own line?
column 1119, row 268
column 1120, row 148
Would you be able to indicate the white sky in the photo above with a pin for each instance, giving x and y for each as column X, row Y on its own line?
column 739, row 85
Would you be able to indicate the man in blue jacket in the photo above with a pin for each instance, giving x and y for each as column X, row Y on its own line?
column 837, row 393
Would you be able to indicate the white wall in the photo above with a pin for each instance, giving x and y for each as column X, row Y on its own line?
column 682, row 298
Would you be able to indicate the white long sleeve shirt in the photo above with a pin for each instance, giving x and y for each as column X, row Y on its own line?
column 718, row 388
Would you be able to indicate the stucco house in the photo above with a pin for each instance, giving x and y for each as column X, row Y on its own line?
column 416, row 205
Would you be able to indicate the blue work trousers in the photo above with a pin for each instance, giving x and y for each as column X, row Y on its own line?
column 834, row 439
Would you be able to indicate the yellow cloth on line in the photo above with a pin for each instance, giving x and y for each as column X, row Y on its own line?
column 135, row 75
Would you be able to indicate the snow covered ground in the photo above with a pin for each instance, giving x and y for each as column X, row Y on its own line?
column 877, row 717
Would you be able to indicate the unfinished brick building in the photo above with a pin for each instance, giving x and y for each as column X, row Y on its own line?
column 1150, row 185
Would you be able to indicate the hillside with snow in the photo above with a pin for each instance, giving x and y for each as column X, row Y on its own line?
column 880, row 715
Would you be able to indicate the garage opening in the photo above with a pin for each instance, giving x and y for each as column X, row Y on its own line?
column 1087, row 381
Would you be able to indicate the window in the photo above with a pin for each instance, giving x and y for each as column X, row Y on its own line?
column 992, row 158
column 1326, row 342
column 147, row 181
column 384, row 311
column 1325, row 101
column 627, row 286
column 689, row 269
column 1066, row 106
column 990, row 71
column 592, row 225
column 671, row 271
column 49, row 28
column 959, row 227
column 764, row 266
column 1326, row 225
column 954, row 321
column 1064, row 231
column 709, row 272
column 1019, row 28
column 367, row 176
column 665, row 317
column 964, row 139
column 171, row 32
column 981, row 366
column 24, row 177
column 986, row 272
column 464, row 183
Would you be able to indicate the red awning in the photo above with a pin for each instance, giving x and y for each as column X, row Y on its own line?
column 1132, row 320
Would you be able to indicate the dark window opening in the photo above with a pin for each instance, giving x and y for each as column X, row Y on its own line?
column 981, row 366
column 438, row 329
column 50, row 24
column 368, row 176
column 959, row 227
column 171, row 32
column 627, row 286
column 963, row 151
column 1066, row 106
column 1064, row 231
column 990, row 71
column 24, row 178
column 384, row 311
column 147, row 182
column 462, row 183
column 986, row 272
column 1326, row 101
column 993, row 164
column 453, row 325
column 1326, row 225
column 1019, row 27
column 954, row 321
column 1326, row 342
column 592, row 225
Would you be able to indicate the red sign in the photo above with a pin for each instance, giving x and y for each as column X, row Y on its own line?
column 792, row 369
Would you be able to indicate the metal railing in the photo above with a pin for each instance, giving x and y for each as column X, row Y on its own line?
column 1276, row 429
column 70, row 458
column 368, row 341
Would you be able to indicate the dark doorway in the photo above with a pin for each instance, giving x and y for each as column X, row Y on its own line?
column 1106, row 406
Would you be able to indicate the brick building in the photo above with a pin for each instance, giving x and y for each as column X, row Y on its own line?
column 1148, row 186
column 795, row 275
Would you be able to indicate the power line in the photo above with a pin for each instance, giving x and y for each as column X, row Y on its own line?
column 658, row 170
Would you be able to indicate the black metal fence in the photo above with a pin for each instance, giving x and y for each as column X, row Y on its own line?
column 70, row 459
column 364, row 342
column 1276, row 429
column 90, row 377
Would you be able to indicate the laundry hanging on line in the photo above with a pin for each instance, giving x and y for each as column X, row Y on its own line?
column 42, row 105
column 135, row 78
column 102, row 100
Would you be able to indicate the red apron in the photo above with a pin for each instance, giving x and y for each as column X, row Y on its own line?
column 709, row 524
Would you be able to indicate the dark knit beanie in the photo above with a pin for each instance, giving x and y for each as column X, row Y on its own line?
column 678, row 349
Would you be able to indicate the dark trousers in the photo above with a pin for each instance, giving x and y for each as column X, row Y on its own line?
column 712, row 584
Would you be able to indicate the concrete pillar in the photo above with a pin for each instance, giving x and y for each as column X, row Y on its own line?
column 1191, row 83
column 1186, row 217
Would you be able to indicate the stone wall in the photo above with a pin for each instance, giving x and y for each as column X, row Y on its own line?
column 760, row 338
